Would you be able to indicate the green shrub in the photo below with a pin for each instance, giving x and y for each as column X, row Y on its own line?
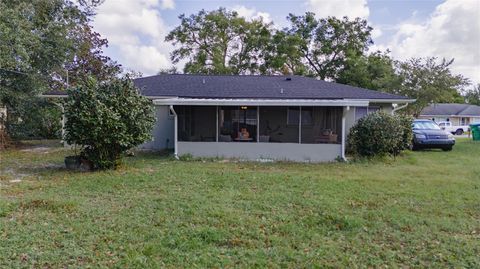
column 36, row 118
column 106, row 120
column 380, row 134
column 407, row 136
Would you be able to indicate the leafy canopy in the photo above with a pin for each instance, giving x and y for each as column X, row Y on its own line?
column 376, row 71
column 34, row 45
column 320, row 47
column 429, row 81
column 472, row 96
column 46, row 45
column 220, row 42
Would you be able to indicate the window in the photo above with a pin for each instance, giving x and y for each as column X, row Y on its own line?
column 425, row 125
column 363, row 111
column 360, row 112
column 293, row 115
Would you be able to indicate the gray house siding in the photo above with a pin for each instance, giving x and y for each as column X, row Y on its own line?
column 162, row 132
column 255, row 151
column 350, row 115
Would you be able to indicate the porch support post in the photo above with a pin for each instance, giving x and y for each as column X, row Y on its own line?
column 258, row 124
column 344, row 112
column 175, row 132
column 216, row 125
column 63, row 126
column 62, row 109
column 300, row 125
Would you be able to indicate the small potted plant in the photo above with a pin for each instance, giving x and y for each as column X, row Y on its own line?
column 73, row 162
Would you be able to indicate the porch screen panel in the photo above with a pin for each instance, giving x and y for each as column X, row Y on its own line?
column 196, row 123
column 237, row 124
column 279, row 124
column 324, row 127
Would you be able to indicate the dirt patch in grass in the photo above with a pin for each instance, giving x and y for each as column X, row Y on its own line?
column 50, row 205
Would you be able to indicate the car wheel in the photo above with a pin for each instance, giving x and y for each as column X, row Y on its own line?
column 459, row 132
column 447, row 148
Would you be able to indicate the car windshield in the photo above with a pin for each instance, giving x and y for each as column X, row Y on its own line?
column 425, row 125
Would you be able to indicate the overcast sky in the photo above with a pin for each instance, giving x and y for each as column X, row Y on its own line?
column 409, row 28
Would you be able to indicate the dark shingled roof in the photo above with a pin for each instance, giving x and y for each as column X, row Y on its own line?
column 451, row 110
column 254, row 87
column 259, row 87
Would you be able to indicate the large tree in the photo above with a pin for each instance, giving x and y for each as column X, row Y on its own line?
column 473, row 96
column 46, row 44
column 86, row 59
column 376, row 71
column 33, row 45
column 429, row 80
column 220, row 42
column 319, row 47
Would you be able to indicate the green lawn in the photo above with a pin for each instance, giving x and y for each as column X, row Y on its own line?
column 422, row 210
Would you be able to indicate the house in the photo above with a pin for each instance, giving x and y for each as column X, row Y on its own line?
column 258, row 117
column 457, row 114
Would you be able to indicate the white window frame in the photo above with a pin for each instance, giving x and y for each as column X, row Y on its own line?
column 373, row 108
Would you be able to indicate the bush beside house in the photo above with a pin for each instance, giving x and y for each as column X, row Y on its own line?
column 380, row 134
column 106, row 120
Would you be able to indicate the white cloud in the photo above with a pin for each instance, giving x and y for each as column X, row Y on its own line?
column 451, row 31
column 339, row 8
column 376, row 32
column 252, row 14
column 135, row 31
column 147, row 58
column 168, row 4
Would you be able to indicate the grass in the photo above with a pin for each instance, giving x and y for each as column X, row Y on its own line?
column 422, row 210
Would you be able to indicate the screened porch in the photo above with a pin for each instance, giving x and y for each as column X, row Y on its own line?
column 260, row 124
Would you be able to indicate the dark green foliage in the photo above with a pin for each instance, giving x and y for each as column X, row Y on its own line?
column 379, row 134
column 220, row 42
column 428, row 81
column 319, row 47
column 405, row 122
column 376, row 71
column 34, row 45
column 473, row 96
column 38, row 118
column 45, row 45
column 106, row 120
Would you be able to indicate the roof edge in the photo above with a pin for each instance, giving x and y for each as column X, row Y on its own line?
column 260, row 102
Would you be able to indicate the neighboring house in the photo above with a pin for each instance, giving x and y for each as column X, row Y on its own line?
column 457, row 114
column 258, row 117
